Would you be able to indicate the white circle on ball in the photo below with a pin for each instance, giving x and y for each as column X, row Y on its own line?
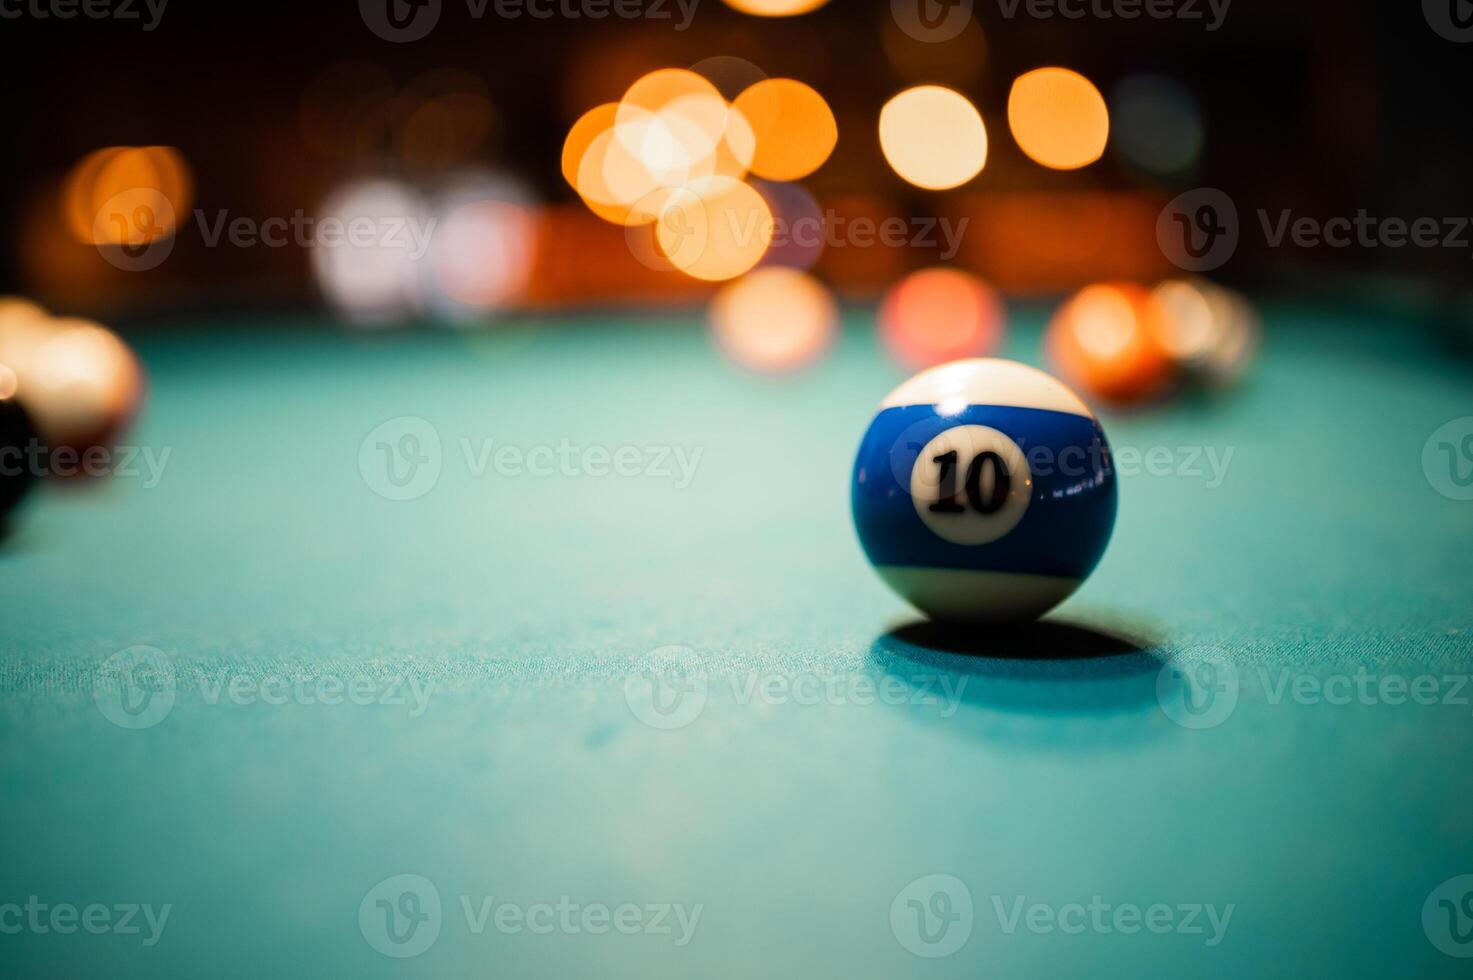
column 971, row 484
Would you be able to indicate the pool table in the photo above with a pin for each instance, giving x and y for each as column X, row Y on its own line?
column 549, row 650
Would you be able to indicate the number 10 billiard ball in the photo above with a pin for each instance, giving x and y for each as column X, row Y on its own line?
column 984, row 491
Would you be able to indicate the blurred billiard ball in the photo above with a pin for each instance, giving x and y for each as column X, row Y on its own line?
column 1210, row 333
column 17, row 449
column 984, row 491
column 81, row 385
column 1107, row 340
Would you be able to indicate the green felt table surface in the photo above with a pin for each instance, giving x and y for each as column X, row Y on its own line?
column 1211, row 723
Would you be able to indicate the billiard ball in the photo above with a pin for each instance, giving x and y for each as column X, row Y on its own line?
column 1210, row 333
column 984, row 491
column 17, row 442
column 1106, row 340
column 24, row 328
column 81, row 385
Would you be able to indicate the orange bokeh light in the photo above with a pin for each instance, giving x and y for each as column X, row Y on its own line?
column 581, row 136
column 126, row 195
column 715, row 228
column 794, row 128
column 1107, row 341
column 1058, row 118
column 775, row 8
column 774, row 320
column 938, row 315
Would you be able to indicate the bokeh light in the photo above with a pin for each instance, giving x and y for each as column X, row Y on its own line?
column 1058, row 118
column 589, row 127
column 610, row 179
column 775, row 8
column 1158, row 124
column 671, row 128
column 938, row 315
column 1105, row 340
column 481, row 255
column 774, row 320
column 82, row 384
column 715, row 228
column 933, row 137
column 794, row 128
column 371, row 278
column 659, row 89
column 127, row 195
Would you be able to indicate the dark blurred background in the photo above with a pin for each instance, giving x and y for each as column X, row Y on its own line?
column 1318, row 107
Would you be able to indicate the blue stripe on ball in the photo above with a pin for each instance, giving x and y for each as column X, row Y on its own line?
column 1069, row 518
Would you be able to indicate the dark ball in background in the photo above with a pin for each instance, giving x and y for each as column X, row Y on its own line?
column 18, row 457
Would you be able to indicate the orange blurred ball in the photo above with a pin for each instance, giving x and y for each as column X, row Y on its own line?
column 1106, row 341
column 939, row 315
